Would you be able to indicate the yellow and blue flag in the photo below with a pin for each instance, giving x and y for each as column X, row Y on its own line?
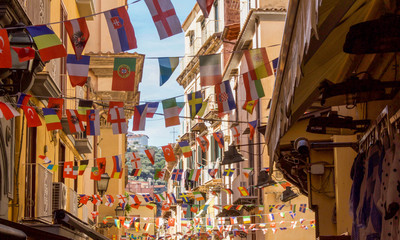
column 47, row 42
column 167, row 67
column 195, row 100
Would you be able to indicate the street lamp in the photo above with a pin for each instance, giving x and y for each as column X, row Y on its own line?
column 119, row 211
column 102, row 185
column 20, row 77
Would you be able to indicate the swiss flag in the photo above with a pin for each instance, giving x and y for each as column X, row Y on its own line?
column 24, row 53
column 165, row 206
column 69, row 170
column 5, row 50
column 171, row 222
column 32, row 118
column 168, row 153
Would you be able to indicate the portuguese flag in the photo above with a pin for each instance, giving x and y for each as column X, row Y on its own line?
column 124, row 74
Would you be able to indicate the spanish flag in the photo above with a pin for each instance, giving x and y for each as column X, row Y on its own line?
column 243, row 191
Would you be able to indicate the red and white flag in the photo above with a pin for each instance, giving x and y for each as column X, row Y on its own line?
column 7, row 111
column 168, row 153
column 205, row 6
column 69, row 170
column 236, row 134
column 136, row 163
column 78, row 33
column 32, row 118
column 75, row 125
column 203, row 142
column 24, row 53
column 118, row 121
column 150, row 153
column 164, row 17
column 113, row 104
column 5, row 50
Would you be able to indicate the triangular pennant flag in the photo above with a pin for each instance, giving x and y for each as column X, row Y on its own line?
column 167, row 67
column 78, row 33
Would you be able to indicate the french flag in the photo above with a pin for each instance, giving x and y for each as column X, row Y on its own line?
column 121, row 29
column 151, row 109
column 93, row 120
column 78, row 70
column 139, row 117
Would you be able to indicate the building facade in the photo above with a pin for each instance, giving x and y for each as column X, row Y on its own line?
column 32, row 192
column 323, row 129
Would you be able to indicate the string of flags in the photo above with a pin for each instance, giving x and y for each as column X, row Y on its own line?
column 200, row 229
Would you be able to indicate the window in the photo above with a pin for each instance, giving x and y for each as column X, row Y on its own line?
column 61, row 160
column 216, row 16
column 191, row 38
column 63, row 61
column 30, row 174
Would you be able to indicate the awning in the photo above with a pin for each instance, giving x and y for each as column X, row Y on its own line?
column 17, row 231
column 61, row 216
column 312, row 52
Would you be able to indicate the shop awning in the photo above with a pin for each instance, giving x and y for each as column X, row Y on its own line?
column 311, row 53
column 17, row 231
column 63, row 217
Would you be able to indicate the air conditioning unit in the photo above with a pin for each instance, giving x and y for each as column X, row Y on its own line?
column 59, row 196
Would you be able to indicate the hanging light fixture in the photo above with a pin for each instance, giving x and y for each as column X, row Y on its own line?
column 288, row 194
column 102, row 185
column 264, row 179
column 20, row 77
column 232, row 156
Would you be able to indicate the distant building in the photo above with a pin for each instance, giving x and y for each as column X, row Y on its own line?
column 137, row 141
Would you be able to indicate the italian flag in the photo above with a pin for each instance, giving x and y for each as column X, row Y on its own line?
column 210, row 70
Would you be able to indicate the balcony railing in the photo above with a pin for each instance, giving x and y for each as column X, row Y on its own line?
column 82, row 143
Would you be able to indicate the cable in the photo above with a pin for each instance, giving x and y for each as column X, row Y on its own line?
column 92, row 15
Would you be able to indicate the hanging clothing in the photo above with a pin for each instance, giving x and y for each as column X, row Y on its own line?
column 370, row 217
column 391, row 201
column 357, row 175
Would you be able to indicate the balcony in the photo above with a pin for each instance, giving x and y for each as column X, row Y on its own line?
column 237, row 198
column 198, row 125
column 211, row 112
column 45, row 85
column 82, row 143
column 86, row 8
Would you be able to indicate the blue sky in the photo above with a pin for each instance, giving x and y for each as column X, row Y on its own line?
column 150, row 44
